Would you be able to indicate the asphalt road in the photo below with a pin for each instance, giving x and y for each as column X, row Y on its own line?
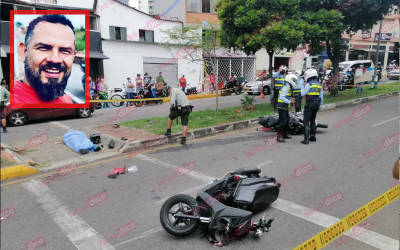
column 59, row 126
column 338, row 166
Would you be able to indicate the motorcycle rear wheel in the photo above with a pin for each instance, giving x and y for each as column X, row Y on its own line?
column 172, row 225
column 224, row 92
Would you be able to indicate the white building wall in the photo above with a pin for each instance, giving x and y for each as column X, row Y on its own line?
column 126, row 57
column 142, row 5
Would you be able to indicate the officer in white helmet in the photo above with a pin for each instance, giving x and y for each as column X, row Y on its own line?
column 285, row 95
column 312, row 90
column 279, row 81
column 297, row 90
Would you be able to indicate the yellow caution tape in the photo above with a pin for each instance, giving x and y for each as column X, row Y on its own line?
column 333, row 232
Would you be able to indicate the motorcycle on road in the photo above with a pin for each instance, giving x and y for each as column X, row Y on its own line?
column 296, row 124
column 223, row 209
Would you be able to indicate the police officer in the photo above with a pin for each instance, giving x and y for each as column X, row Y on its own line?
column 279, row 81
column 183, row 110
column 297, row 90
column 312, row 90
column 284, row 101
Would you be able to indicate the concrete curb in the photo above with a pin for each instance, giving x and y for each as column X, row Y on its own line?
column 135, row 147
column 20, row 170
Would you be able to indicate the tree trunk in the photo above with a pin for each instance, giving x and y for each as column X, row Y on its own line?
column 271, row 55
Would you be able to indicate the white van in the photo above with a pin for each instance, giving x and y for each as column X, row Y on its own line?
column 368, row 64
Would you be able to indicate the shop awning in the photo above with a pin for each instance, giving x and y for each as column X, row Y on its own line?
column 323, row 56
column 93, row 55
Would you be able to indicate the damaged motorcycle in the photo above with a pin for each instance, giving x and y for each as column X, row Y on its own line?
column 223, row 209
column 296, row 125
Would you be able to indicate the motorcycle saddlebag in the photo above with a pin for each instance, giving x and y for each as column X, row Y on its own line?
column 255, row 194
column 95, row 138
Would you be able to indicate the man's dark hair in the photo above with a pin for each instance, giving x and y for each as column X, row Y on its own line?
column 61, row 19
column 159, row 72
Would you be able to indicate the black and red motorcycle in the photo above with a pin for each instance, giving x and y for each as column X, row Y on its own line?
column 223, row 209
column 146, row 93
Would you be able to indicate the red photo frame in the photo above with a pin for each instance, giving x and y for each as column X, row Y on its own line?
column 87, row 57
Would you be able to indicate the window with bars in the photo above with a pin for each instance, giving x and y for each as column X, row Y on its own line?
column 201, row 6
column 118, row 33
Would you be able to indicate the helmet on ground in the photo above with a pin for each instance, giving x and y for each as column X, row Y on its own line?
column 298, row 73
column 292, row 79
column 310, row 73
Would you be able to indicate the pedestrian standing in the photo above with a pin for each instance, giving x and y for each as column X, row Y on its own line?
column 182, row 83
column 160, row 78
column 104, row 89
column 207, row 83
column 129, row 91
column 212, row 82
column 297, row 90
column 139, row 83
column 324, row 71
column 146, row 79
column 183, row 110
column 4, row 84
column 92, row 87
column 279, row 81
column 152, row 84
column 4, row 98
column 360, row 85
column 284, row 100
column 312, row 90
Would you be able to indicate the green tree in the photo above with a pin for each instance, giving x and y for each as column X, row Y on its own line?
column 198, row 46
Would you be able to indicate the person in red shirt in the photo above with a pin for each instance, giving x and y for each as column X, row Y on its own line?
column 182, row 83
column 212, row 81
column 48, row 54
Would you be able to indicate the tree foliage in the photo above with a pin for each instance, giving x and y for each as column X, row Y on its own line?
column 252, row 24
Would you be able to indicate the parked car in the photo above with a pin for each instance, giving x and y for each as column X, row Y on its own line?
column 254, row 87
column 393, row 74
column 20, row 116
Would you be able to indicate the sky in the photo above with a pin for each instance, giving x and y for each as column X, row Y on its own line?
column 76, row 20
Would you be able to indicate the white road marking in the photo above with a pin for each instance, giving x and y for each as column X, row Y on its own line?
column 59, row 124
column 264, row 163
column 142, row 236
column 193, row 174
column 77, row 230
column 385, row 121
column 369, row 237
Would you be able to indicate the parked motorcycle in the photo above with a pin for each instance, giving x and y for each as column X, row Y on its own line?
column 191, row 91
column 296, row 124
column 229, row 84
column 146, row 93
column 223, row 209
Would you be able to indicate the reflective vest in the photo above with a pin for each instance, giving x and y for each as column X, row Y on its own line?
column 279, row 82
column 281, row 104
column 315, row 90
column 297, row 92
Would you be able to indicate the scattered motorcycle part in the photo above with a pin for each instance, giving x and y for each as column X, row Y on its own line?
column 132, row 169
column 111, row 144
column 116, row 172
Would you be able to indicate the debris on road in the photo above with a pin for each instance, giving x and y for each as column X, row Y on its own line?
column 116, row 172
column 32, row 163
column 132, row 169
column 111, row 144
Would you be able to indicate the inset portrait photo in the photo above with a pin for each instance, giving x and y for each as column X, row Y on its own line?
column 49, row 60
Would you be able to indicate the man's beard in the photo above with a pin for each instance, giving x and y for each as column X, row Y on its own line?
column 52, row 90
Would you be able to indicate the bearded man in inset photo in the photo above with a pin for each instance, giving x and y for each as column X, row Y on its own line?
column 48, row 54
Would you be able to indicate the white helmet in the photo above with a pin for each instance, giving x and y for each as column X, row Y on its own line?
column 298, row 73
column 310, row 73
column 283, row 67
column 292, row 79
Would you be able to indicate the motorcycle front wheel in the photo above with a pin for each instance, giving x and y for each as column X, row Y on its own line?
column 224, row 92
column 179, row 204
column 238, row 91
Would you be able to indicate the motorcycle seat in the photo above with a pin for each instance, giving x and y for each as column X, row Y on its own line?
column 117, row 90
column 248, row 170
column 189, row 89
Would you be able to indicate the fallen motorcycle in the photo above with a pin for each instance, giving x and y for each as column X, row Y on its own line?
column 296, row 125
column 223, row 209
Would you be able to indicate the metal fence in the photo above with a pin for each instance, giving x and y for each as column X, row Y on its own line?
column 225, row 67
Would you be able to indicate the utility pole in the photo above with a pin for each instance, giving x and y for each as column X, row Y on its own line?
column 377, row 54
